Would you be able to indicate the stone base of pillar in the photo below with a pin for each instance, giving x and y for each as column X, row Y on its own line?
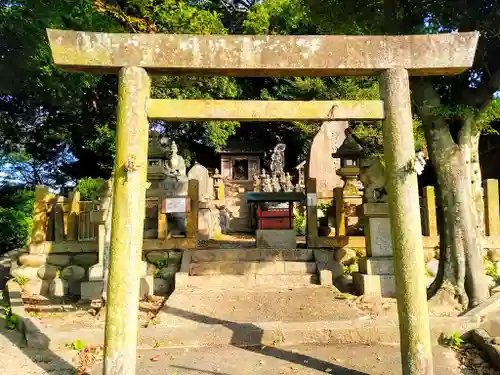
column 374, row 285
column 376, row 271
column 91, row 290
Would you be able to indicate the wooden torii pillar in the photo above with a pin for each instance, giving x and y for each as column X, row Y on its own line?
column 393, row 58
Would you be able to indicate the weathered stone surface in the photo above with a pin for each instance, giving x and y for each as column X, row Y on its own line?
column 91, row 290
column 204, row 223
column 379, row 237
column 174, row 257
column 60, row 260
column 374, row 285
column 75, row 288
column 491, row 281
column 377, row 266
column 432, row 267
column 23, row 271
column 47, row 272
column 58, row 288
column 494, row 254
column 96, row 272
column 162, row 286
column 169, row 272
column 146, row 286
column 32, row 260
column 157, row 256
column 322, row 166
column 85, row 260
column 325, row 277
column 275, row 238
column 200, row 173
column 344, row 255
column 73, row 273
column 260, row 110
column 37, row 287
column 301, row 55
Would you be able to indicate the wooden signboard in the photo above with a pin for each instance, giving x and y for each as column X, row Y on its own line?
column 176, row 205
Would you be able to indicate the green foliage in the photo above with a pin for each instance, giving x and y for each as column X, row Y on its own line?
column 490, row 269
column 300, row 224
column 453, row 340
column 77, row 345
column 21, row 280
column 11, row 320
column 16, row 210
column 89, row 188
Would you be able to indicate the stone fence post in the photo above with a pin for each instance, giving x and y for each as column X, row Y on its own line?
column 40, row 214
column 192, row 217
column 430, row 219
column 312, row 213
column 340, row 222
column 74, row 212
column 492, row 208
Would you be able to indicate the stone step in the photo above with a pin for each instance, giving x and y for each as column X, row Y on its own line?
column 249, row 281
column 244, row 268
column 252, row 255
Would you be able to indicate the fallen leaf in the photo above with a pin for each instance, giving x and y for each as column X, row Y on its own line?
column 155, row 358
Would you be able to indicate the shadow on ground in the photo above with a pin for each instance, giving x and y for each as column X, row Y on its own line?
column 247, row 333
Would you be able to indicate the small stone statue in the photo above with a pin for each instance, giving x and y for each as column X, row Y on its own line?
column 278, row 159
column 267, row 186
column 288, row 183
column 176, row 165
column 275, row 183
column 256, row 183
column 263, row 177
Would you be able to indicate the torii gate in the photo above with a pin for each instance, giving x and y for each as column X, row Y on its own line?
column 393, row 58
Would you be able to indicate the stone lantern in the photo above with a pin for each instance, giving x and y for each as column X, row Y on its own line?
column 349, row 153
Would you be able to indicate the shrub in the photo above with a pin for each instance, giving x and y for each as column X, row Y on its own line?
column 16, row 211
column 89, row 188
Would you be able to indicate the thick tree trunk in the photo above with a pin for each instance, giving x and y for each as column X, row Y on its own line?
column 461, row 269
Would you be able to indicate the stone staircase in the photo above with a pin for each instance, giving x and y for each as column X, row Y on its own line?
column 249, row 268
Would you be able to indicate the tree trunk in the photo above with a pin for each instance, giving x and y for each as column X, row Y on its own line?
column 461, row 269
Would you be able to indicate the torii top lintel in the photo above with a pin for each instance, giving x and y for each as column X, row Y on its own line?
column 242, row 55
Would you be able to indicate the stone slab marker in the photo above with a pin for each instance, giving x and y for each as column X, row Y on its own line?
column 492, row 207
column 200, row 173
column 321, row 165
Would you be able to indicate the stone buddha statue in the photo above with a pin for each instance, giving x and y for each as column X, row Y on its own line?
column 175, row 164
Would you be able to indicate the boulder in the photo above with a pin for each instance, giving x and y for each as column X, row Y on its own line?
column 157, row 256
column 32, row 260
column 168, row 272
column 85, row 260
column 432, row 267
column 47, row 272
column 73, row 273
column 58, row 288
column 31, row 273
column 494, row 255
column 162, row 287
column 344, row 255
column 174, row 257
column 60, row 260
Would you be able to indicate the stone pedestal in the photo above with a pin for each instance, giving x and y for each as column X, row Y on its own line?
column 275, row 238
column 376, row 270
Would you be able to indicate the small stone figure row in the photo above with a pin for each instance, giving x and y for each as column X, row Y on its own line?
column 274, row 182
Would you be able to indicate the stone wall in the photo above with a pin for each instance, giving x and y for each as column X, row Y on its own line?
column 62, row 274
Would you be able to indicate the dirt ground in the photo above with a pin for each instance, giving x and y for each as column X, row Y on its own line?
column 67, row 315
column 303, row 360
